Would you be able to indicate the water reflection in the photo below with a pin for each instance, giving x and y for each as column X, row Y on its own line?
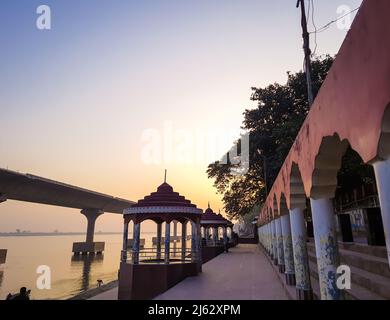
column 84, row 262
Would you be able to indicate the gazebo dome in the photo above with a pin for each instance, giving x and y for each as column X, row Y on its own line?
column 164, row 204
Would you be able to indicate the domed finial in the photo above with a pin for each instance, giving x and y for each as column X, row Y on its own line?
column 165, row 176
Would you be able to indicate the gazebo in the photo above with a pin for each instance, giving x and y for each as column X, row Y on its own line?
column 229, row 231
column 211, row 223
column 145, row 273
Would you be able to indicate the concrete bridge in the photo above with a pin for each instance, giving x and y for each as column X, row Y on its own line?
column 351, row 109
column 31, row 188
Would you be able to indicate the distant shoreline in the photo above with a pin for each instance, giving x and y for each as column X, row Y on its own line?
column 49, row 234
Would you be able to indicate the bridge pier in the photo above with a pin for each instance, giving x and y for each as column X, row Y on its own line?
column 89, row 246
column 3, row 252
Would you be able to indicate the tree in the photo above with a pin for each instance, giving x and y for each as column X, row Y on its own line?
column 273, row 126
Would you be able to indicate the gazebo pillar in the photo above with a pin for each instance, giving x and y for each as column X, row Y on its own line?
column 167, row 242
column 125, row 240
column 215, row 235
column 136, row 241
column 198, row 246
column 183, row 240
column 194, row 242
column 174, row 237
column 207, row 229
column 159, row 232
column 225, row 242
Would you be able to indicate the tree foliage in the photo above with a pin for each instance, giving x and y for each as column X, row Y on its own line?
column 273, row 126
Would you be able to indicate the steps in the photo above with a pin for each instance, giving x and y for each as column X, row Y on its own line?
column 370, row 273
column 376, row 251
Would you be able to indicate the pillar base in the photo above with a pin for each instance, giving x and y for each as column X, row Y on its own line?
column 88, row 248
column 304, row 294
column 3, row 255
column 290, row 279
column 282, row 268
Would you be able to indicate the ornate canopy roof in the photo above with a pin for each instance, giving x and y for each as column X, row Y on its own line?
column 229, row 223
column 164, row 205
column 209, row 218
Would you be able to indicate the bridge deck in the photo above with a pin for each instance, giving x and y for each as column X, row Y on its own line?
column 31, row 188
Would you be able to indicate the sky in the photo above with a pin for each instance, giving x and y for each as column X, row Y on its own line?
column 117, row 91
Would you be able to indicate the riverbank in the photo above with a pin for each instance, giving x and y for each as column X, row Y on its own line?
column 90, row 293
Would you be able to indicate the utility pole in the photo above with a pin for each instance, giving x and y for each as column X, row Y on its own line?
column 306, row 49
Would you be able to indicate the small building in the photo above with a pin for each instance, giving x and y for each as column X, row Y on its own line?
column 147, row 272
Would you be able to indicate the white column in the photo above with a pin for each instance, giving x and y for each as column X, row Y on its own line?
column 183, row 240
column 198, row 246
column 125, row 239
column 225, row 240
column 136, row 240
column 326, row 244
column 174, row 237
column 288, row 250
column 269, row 240
column 301, row 258
column 274, row 242
column 167, row 242
column 194, row 244
column 382, row 175
column 279, row 239
column 159, row 238
column 215, row 235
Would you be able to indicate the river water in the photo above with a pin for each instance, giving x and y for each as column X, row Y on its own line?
column 70, row 275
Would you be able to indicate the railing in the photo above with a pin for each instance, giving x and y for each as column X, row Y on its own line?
column 368, row 202
column 151, row 255
column 212, row 243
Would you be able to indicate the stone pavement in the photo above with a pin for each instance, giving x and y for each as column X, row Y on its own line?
column 243, row 274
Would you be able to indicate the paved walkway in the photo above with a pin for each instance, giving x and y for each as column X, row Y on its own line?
column 243, row 274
